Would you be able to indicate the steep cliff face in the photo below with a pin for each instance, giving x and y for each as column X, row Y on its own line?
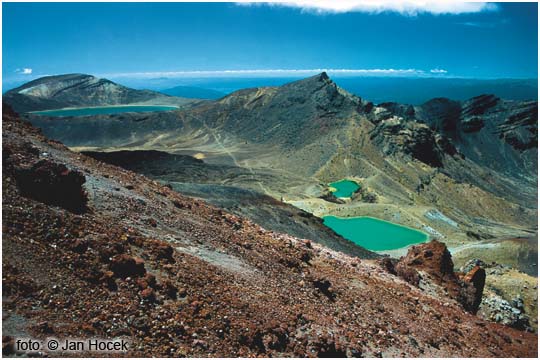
column 396, row 135
column 499, row 134
column 178, row 277
column 53, row 92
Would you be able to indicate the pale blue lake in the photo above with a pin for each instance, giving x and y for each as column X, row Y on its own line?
column 103, row 110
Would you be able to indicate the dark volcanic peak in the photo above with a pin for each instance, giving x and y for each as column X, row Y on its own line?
column 280, row 114
column 312, row 81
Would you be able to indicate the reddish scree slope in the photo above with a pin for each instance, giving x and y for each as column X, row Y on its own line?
column 178, row 277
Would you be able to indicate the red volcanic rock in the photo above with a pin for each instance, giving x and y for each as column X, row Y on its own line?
column 473, row 287
column 124, row 265
column 161, row 250
column 433, row 258
column 148, row 294
column 432, row 263
column 53, row 184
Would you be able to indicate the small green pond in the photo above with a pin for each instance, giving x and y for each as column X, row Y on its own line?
column 344, row 188
column 104, row 110
column 374, row 234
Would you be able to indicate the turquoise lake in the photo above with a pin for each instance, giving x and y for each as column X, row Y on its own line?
column 104, row 110
column 374, row 234
column 344, row 188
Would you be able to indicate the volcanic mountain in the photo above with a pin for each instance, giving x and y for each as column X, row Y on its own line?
column 422, row 164
column 92, row 250
column 73, row 90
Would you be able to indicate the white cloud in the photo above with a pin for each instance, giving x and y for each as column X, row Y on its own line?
column 438, row 71
column 407, row 7
column 24, row 71
column 269, row 73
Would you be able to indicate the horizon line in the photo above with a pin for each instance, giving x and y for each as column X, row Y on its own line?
column 435, row 73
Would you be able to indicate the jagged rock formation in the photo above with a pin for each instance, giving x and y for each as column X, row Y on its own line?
column 71, row 90
column 396, row 134
column 510, row 298
column 429, row 266
column 505, row 132
column 178, row 277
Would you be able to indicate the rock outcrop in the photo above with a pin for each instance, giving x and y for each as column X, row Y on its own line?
column 429, row 266
column 497, row 309
column 398, row 136
column 507, row 298
column 500, row 134
column 53, row 184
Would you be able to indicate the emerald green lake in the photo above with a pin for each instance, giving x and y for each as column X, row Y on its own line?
column 374, row 234
column 344, row 188
column 104, row 110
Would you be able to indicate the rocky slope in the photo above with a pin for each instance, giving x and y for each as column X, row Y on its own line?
column 128, row 257
column 195, row 178
column 72, row 90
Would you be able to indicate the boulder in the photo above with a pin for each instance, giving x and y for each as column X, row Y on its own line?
column 53, row 184
column 432, row 257
column 124, row 266
column 473, row 288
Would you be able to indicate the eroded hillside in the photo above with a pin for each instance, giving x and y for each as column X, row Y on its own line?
column 177, row 277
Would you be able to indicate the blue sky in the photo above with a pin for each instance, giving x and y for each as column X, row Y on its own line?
column 167, row 39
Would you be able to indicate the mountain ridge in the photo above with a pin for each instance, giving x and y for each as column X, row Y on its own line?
column 69, row 90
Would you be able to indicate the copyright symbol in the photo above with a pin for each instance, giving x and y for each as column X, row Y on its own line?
column 52, row 344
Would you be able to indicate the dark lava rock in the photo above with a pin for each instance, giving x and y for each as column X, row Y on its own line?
column 479, row 105
column 325, row 287
column 473, row 288
column 124, row 265
column 472, row 124
column 415, row 139
column 389, row 265
column 53, row 184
